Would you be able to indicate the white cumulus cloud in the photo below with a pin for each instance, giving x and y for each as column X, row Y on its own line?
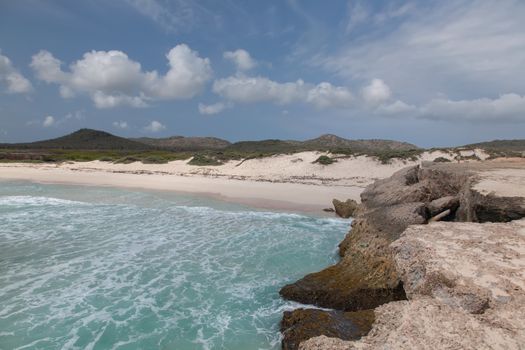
column 244, row 89
column 112, row 79
column 258, row 89
column 154, row 126
column 48, row 121
column 326, row 95
column 120, row 124
column 505, row 107
column 13, row 80
column 376, row 92
column 464, row 48
column 213, row 108
column 241, row 58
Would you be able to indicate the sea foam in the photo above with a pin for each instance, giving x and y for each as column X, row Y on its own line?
column 117, row 269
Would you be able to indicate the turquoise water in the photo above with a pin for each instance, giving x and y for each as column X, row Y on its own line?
column 106, row 268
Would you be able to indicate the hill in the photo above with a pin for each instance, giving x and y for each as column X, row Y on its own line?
column 181, row 143
column 322, row 143
column 266, row 146
column 500, row 145
column 331, row 142
column 83, row 139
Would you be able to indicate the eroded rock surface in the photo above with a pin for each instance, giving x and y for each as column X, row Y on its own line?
column 345, row 209
column 302, row 324
column 466, row 288
column 367, row 276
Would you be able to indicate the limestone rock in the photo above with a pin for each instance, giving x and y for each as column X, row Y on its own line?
column 368, row 276
column 465, row 284
column 345, row 209
column 465, row 265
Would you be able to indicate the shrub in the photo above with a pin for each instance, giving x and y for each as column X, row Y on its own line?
column 325, row 160
column 442, row 160
column 154, row 160
column 201, row 159
column 127, row 160
column 385, row 157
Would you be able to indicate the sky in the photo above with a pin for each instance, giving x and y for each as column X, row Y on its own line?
column 434, row 73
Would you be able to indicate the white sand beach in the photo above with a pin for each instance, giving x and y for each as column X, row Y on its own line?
column 282, row 182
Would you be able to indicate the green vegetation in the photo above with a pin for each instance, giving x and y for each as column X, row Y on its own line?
column 516, row 146
column 385, row 157
column 442, row 160
column 57, row 156
column 325, row 160
column 88, row 145
column 471, row 157
column 202, row 159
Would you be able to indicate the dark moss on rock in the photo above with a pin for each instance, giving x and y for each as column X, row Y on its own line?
column 302, row 324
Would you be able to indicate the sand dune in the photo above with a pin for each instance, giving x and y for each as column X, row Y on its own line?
column 288, row 182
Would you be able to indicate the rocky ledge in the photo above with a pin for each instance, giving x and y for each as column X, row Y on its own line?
column 374, row 272
column 465, row 284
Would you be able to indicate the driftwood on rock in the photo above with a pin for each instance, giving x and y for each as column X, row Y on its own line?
column 440, row 216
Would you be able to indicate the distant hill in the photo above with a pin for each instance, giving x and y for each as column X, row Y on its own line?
column 266, row 146
column 83, row 139
column 500, row 145
column 333, row 142
column 322, row 143
column 181, row 143
column 88, row 139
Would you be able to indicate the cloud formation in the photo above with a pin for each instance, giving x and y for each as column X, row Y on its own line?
column 213, row 108
column 171, row 16
column 465, row 49
column 14, row 82
column 507, row 107
column 48, row 121
column 120, row 124
column 154, row 127
column 112, row 79
column 245, row 89
column 241, row 58
column 376, row 92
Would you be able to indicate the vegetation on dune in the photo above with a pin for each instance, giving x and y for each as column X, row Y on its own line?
column 89, row 145
column 442, row 160
column 202, row 160
column 386, row 157
column 325, row 160
column 517, row 146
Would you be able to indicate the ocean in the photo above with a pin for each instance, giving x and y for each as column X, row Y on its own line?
column 108, row 268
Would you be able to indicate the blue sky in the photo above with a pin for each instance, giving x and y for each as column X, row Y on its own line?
column 434, row 73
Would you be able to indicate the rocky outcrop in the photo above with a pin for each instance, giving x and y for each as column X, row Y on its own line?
column 367, row 275
column 442, row 204
column 302, row 324
column 465, row 284
column 345, row 209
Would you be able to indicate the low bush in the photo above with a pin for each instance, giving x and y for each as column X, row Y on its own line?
column 441, row 160
column 154, row 160
column 127, row 160
column 204, row 160
column 386, row 157
column 325, row 160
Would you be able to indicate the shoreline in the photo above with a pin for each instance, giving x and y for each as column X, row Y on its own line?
column 269, row 195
